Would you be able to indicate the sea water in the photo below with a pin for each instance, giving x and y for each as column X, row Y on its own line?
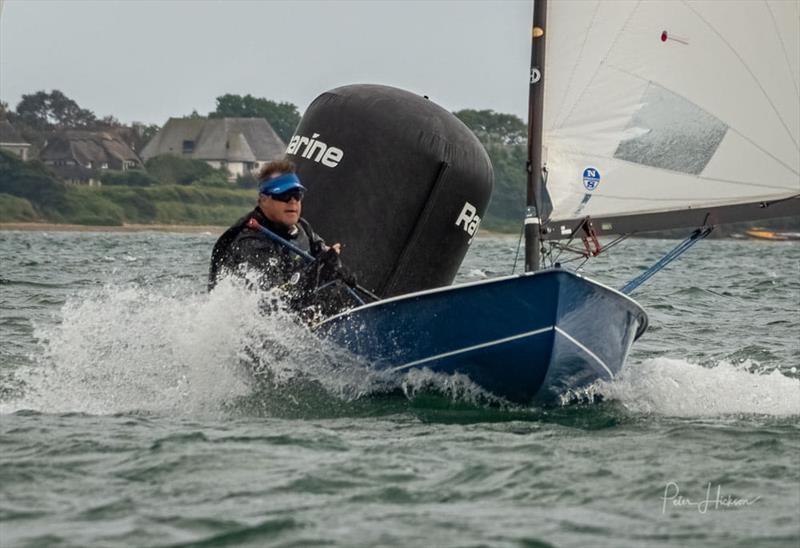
column 127, row 417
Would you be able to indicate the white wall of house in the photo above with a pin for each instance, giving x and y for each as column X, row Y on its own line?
column 21, row 150
column 236, row 169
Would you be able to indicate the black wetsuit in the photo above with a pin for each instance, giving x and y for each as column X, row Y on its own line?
column 241, row 248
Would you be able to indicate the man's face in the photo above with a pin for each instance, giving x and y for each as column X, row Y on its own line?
column 285, row 213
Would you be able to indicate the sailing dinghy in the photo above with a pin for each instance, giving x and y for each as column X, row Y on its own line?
column 643, row 116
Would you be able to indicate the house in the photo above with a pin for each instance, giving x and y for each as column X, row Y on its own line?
column 11, row 140
column 240, row 145
column 76, row 155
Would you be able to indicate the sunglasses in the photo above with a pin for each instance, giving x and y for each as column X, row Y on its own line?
column 288, row 195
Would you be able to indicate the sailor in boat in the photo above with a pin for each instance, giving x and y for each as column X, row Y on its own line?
column 280, row 247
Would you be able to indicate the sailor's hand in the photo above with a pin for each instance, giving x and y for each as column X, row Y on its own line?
column 330, row 267
column 328, row 262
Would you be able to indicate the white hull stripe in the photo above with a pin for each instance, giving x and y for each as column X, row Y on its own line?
column 475, row 347
column 574, row 341
column 496, row 342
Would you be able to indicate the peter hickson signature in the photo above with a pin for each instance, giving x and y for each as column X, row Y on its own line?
column 672, row 496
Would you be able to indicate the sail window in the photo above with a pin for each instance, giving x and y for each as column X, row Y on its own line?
column 671, row 133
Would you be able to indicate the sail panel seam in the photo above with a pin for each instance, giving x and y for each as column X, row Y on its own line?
column 783, row 47
column 600, row 64
column 714, row 201
column 558, row 118
column 730, row 127
column 749, row 71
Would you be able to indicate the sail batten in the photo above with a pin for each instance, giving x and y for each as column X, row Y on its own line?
column 743, row 183
column 685, row 218
column 662, row 106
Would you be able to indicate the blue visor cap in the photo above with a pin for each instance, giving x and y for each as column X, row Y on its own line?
column 279, row 185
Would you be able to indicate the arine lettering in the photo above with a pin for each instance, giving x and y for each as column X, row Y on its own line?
column 315, row 150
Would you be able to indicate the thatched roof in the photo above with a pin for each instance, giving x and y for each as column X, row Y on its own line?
column 217, row 139
column 85, row 147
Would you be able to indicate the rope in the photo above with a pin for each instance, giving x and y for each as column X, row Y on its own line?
column 676, row 252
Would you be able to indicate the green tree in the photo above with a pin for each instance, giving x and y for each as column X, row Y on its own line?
column 283, row 117
column 39, row 114
column 494, row 127
column 106, row 122
column 147, row 133
column 54, row 110
column 504, row 137
column 31, row 181
column 507, row 208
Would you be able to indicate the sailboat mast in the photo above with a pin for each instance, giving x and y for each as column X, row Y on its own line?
column 535, row 109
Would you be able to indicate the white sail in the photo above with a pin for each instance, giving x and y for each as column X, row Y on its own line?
column 657, row 106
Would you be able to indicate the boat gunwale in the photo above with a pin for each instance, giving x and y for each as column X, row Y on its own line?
column 546, row 272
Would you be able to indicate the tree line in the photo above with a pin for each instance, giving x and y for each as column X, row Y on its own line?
column 504, row 136
column 39, row 115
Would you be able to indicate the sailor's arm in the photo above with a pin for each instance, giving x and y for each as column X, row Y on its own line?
column 257, row 253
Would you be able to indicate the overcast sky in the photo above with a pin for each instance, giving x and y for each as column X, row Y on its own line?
column 147, row 60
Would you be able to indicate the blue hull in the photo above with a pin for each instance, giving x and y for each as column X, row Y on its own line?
column 528, row 338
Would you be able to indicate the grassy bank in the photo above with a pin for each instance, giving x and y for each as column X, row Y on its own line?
column 62, row 227
column 162, row 205
column 30, row 193
column 115, row 206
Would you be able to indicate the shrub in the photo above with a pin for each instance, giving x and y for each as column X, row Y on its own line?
column 169, row 169
column 248, row 180
column 13, row 208
column 218, row 178
column 31, row 181
column 133, row 177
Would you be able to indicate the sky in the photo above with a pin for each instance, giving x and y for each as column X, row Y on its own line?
column 147, row 60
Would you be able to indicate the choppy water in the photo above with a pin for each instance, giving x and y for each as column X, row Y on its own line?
column 127, row 420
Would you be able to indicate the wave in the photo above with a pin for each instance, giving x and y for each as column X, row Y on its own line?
column 168, row 351
column 679, row 388
column 131, row 348
column 171, row 351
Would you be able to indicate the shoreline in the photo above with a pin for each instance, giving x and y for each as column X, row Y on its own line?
column 216, row 230
column 180, row 229
column 56, row 227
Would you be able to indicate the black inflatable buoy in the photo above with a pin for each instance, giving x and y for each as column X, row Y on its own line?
column 399, row 180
